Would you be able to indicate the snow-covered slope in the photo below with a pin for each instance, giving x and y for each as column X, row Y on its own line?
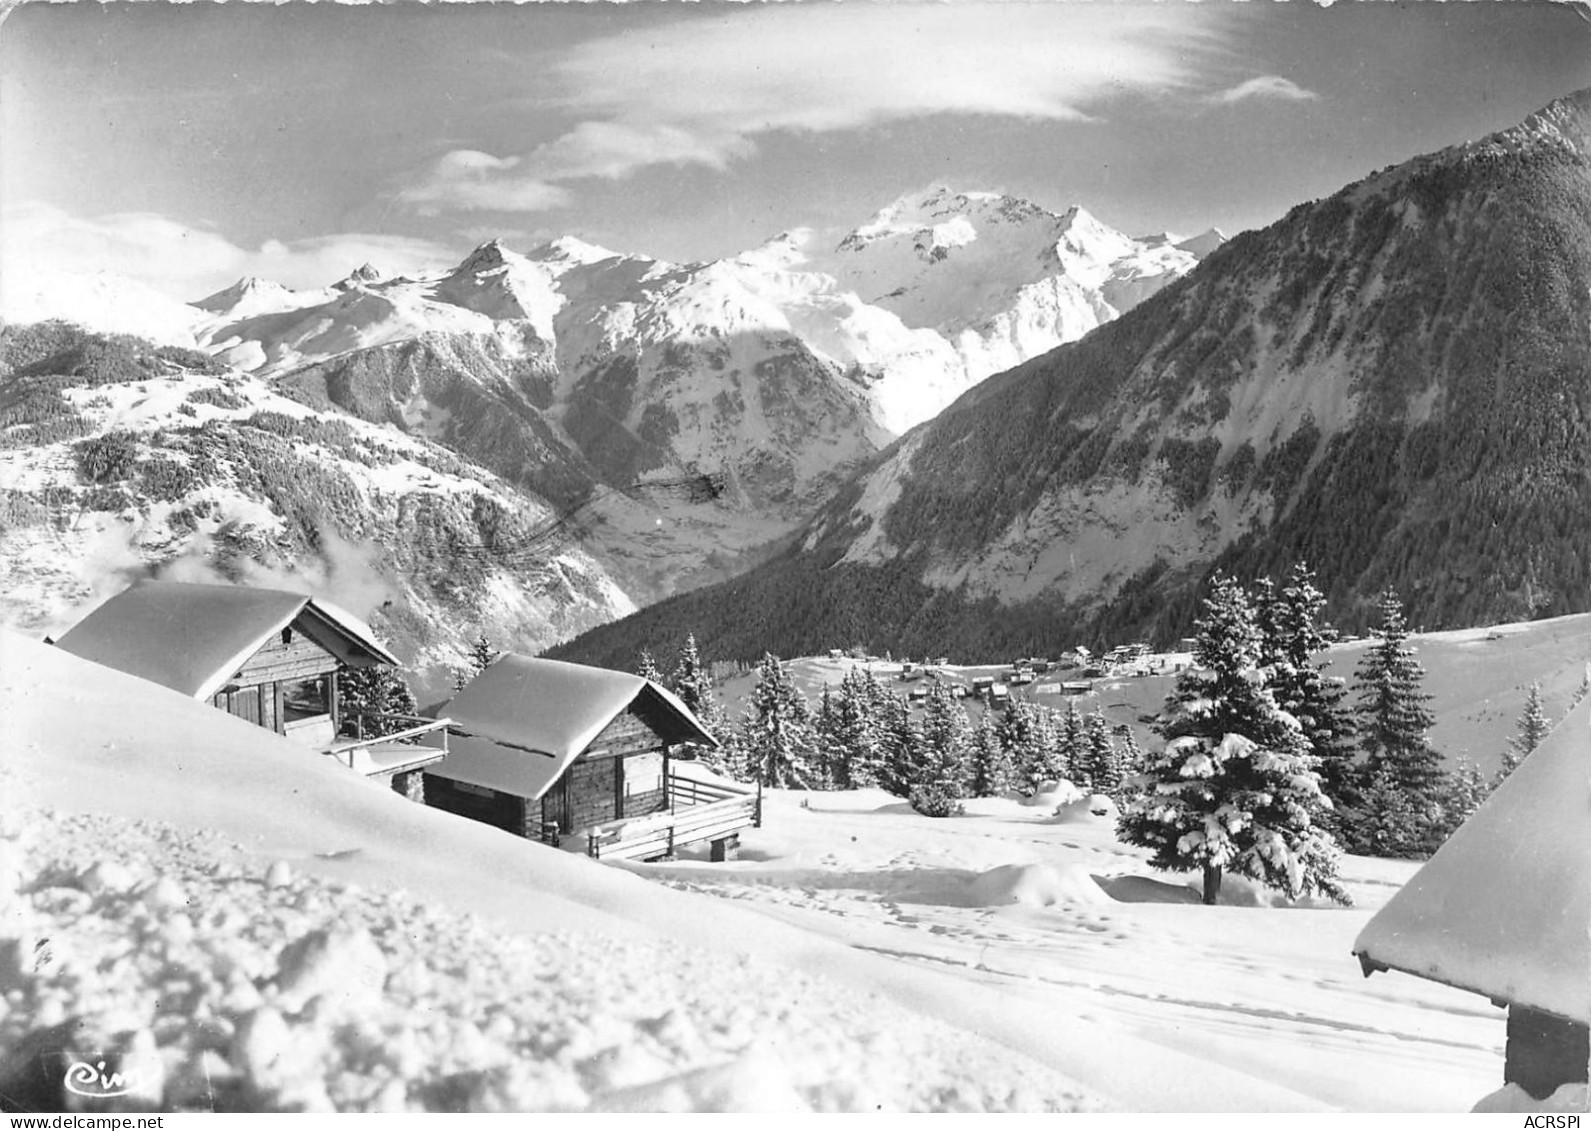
column 197, row 475
column 98, row 300
column 860, row 957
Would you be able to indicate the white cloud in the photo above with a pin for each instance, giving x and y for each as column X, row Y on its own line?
column 474, row 181
column 701, row 91
column 1265, row 86
column 183, row 261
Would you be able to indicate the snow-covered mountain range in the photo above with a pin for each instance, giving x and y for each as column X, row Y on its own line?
column 673, row 420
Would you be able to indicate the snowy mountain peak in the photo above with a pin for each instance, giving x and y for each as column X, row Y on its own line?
column 489, row 256
column 944, row 216
column 250, row 289
column 1084, row 237
column 571, row 250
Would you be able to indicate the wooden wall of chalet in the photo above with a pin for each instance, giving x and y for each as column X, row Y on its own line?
column 621, row 774
column 286, row 658
column 1545, row 1052
column 286, row 661
column 500, row 810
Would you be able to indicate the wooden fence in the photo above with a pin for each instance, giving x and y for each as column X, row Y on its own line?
column 697, row 811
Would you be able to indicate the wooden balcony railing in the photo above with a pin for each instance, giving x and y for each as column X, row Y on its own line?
column 697, row 811
column 385, row 752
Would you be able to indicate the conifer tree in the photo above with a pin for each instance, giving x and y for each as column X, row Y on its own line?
column 1467, row 790
column 1385, row 821
column 858, row 708
column 778, row 734
column 1020, row 735
column 992, row 774
column 945, row 733
column 366, row 694
column 1293, row 634
column 481, row 654
column 1393, row 721
column 1071, row 757
column 830, row 751
column 901, row 747
column 646, row 668
column 1103, row 760
column 692, row 681
column 1235, row 787
column 1533, row 727
column 1132, row 757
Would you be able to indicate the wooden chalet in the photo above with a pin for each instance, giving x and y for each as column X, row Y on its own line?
column 268, row 656
column 550, row 750
column 1503, row 909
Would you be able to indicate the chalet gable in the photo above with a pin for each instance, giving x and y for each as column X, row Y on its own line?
column 202, row 639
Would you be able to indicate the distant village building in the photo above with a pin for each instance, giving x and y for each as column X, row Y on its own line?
column 1503, row 909
column 268, row 656
column 548, row 750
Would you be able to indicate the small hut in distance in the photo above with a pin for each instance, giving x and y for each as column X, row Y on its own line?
column 546, row 750
column 1503, row 909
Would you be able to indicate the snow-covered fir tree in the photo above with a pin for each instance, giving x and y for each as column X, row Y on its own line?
column 1021, row 737
column 1533, row 727
column 778, row 730
column 365, row 695
column 900, row 745
column 1293, row 633
column 482, row 654
column 992, row 774
column 1385, row 822
column 1467, row 789
column 646, row 668
column 1071, row 757
column 692, row 681
column 830, row 751
column 1104, row 760
column 1132, row 756
column 858, row 708
column 1235, row 788
column 945, row 731
column 1393, row 725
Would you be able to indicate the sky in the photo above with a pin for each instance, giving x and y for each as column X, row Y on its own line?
column 185, row 145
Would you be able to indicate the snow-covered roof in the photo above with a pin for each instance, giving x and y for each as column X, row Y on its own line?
column 1504, row 907
column 518, row 724
column 194, row 638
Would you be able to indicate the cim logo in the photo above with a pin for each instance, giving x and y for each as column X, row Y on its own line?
column 94, row 1082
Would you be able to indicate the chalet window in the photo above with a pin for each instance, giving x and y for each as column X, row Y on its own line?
column 306, row 699
column 643, row 773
